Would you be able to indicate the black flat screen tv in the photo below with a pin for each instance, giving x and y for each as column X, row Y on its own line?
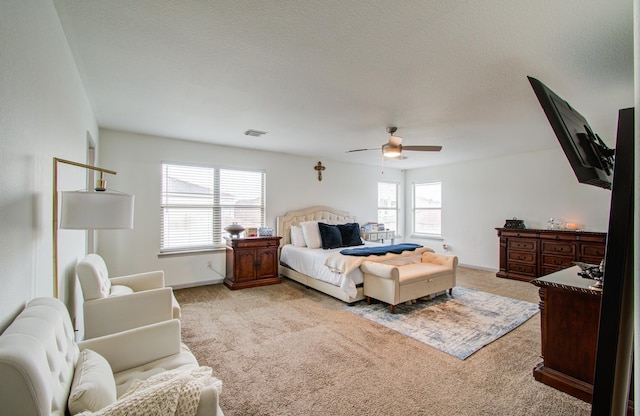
column 588, row 155
column 593, row 164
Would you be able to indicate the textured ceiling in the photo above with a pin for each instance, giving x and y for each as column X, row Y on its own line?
column 323, row 77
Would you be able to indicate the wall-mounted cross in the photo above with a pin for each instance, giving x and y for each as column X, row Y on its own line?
column 319, row 168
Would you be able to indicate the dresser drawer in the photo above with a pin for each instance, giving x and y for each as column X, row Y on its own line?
column 522, row 244
column 558, row 247
column 519, row 234
column 557, row 261
column 521, row 268
column 590, row 250
column 256, row 243
column 559, row 236
column 522, row 256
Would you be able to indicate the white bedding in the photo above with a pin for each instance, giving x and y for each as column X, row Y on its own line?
column 311, row 262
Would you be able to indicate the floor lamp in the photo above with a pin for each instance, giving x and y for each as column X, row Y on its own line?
column 90, row 209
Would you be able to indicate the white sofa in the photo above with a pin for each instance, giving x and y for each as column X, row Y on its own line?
column 119, row 303
column 44, row 372
column 396, row 282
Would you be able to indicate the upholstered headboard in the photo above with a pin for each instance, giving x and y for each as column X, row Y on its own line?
column 316, row 213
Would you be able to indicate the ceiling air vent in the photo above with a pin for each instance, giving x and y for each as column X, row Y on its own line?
column 254, row 133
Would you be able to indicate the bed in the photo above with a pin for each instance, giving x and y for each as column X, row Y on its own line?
column 315, row 213
column 307, row 266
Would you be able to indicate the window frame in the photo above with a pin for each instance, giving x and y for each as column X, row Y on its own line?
column 217, row 205
column 397, row 201
column 415, row 210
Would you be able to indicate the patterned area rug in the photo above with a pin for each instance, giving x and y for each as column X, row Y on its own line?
column 458, row 324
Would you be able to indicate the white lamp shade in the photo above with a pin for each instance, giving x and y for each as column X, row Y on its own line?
column 90, row 210
column 389, row 150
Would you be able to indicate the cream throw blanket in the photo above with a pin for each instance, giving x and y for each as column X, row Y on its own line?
column 340, row 263
column 174, row 392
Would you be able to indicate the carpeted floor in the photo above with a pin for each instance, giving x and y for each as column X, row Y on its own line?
column 287, row 350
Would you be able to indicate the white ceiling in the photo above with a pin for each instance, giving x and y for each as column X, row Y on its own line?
column 323, row 77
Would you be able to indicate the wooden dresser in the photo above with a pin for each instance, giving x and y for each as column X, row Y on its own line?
column 252, row 262
column 569, row 318
column 529, row 253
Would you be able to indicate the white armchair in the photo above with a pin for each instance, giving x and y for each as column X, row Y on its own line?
column 120, row 303
column 43, row 371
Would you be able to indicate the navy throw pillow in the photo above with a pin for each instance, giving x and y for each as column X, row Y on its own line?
column 350, row 234
column 330, row 236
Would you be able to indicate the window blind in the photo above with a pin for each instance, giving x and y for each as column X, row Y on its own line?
column 388, row 205
column 427, row 208
column 197, row 202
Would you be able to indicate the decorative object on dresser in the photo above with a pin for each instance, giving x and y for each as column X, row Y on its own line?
column 569, row 314
column 514, row 223
column 234, row 229
column 529, row 253
column 252, row 262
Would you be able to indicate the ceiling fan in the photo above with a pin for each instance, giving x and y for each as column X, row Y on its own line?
column 394, row 147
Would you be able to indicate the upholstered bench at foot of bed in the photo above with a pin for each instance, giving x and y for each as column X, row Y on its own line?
column 397, row 283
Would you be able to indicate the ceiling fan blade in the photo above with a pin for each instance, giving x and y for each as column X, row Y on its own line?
column 395, row 140
column 423, row 148
column 360, row 150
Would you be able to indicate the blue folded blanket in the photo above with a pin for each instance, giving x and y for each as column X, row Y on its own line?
column 379, row 250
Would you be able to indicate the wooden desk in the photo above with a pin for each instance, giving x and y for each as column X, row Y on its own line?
column 569, row 316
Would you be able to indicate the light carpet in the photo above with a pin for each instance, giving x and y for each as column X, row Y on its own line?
column 286, row 350
column 458, row 324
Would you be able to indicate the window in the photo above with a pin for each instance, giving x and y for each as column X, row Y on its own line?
column 388, row 205
column 197, row 202
column 427, row 208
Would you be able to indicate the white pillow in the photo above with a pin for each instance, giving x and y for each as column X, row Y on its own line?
column 93, row 386
column 311, row 234
column 297, row 236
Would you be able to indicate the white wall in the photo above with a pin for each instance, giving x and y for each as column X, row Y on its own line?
column 44, row 112
column 477, row 197
column 291, row 184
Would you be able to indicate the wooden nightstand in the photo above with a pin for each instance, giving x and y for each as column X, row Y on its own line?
column 252, row 262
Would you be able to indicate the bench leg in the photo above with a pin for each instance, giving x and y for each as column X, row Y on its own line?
column 450, row 291
column 368, row 300
column 392, row 308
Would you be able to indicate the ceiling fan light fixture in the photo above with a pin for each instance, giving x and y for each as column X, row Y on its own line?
column 389, row 150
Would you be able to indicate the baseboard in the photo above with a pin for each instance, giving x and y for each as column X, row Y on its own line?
column 471, row 266
column 205, row 283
